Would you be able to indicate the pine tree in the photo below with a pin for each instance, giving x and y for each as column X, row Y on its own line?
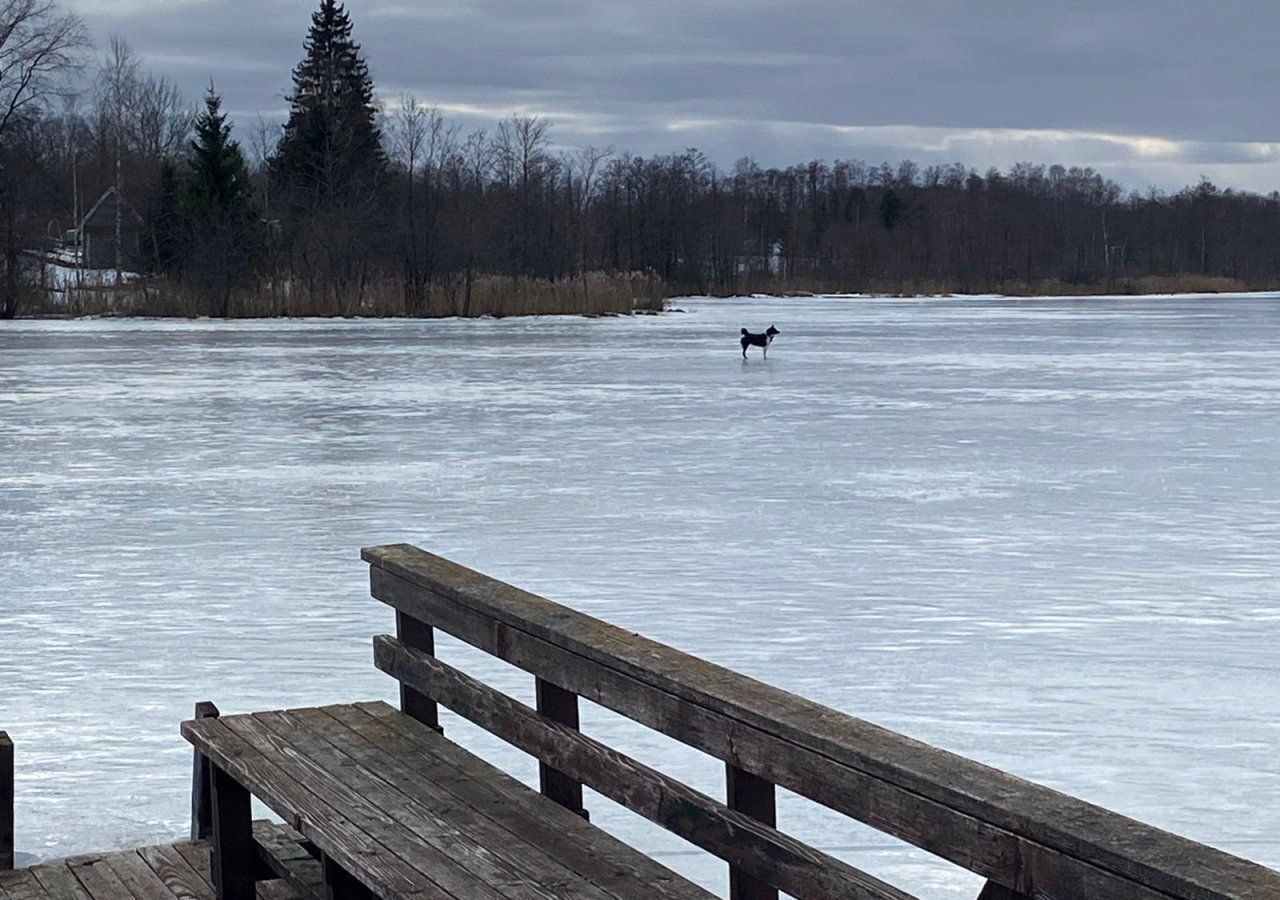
column 331, row 149
column 165, row 225
column 891, row 207
column 221, row 218
column 329, row 166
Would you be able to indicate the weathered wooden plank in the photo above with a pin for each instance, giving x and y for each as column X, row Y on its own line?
column 201, row 801
column 340, row 884
column 134, row 872
column 437, row 852
column 753, row 796
column 955, row 837
column 21, row 884
column 408, row 776
column 6, row 802
column 234, row 853
column 182, row 881
column 59, row 883
column 397, row 742
column 347, row 841
column 993, row 891
column 418, row 635
column 747, row 843
column 98, row 879
column 445, row 830
column 199, row 856
column 284, row 856
column 1057, row 845
column 561, row 706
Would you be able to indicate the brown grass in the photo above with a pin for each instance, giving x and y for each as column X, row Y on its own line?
column 925, row 287
column 595, row 294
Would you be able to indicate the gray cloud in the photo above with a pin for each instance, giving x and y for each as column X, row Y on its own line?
column 1150, row 91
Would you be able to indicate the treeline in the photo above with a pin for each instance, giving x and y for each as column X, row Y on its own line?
column 356, row 207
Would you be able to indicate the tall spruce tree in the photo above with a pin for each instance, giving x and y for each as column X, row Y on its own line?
column 222, row 239
column 329, row 165
column 331, row 142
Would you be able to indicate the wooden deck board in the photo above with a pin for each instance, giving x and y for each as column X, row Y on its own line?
column 424, row 812
column 596, row 855
column 347, row 838
column 521, row 851
column 21, row 884
column 162, row 872
column 438, row 820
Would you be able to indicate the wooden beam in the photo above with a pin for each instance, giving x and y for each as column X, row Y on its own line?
column 559, row 705
column 752, row 796
column 1025, row 836
column 748, row 844
column 340, row 884
column 993, row 891
column 417, row 634
column 7, row 792
column 201, row 800
column 234, row 850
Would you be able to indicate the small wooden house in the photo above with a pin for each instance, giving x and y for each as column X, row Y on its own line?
column 98, row 232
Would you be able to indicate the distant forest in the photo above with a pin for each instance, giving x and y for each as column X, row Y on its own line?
column 353, row 206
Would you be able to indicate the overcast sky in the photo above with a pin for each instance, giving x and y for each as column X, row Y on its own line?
column 1150, row 92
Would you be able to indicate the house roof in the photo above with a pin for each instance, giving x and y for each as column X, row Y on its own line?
column 102, row 213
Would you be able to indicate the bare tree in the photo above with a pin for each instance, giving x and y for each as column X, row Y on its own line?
column 39, row 46
column 422, row 143
column 160, row 119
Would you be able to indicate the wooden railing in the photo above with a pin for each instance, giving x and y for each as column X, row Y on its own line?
column 1025, row 839
column 6, row 802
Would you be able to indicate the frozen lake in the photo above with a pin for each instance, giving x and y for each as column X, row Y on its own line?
column 1044, row 534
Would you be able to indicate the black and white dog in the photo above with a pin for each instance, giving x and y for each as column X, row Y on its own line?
column 758, row 340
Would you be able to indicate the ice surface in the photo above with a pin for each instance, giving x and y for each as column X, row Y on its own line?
column 1043, row 534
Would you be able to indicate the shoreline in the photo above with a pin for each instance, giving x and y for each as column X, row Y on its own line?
column 671, row 306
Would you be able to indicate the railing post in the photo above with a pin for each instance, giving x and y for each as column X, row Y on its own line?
column 6, row 802
column 201, row 801
column 418, row 635
column 993, row 891
column 234, row 850
column 560, row 706
column 753, row 796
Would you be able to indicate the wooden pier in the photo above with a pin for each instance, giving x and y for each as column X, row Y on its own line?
column 378, row 802
column 167, row 872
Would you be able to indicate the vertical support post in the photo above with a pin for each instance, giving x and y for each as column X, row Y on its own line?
column 339, row 883
column 418, row 635
column 234, row 851
column 753, row 796
column 6, row 802
column 560, row 706
column 993, row 891
column 201, row 801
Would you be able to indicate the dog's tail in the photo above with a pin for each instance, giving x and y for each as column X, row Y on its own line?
column 744, row 331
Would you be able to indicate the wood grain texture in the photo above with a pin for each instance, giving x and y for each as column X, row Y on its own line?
column 344, row 838
column 234, row 852
column 1054, row 845
column 59, row 882
column 182, row 881
column 464, row 825
column 289, row 860
column 22, row 885
column 201, row 802
column 555, row 831
column 750, row 845
column 457, row 858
